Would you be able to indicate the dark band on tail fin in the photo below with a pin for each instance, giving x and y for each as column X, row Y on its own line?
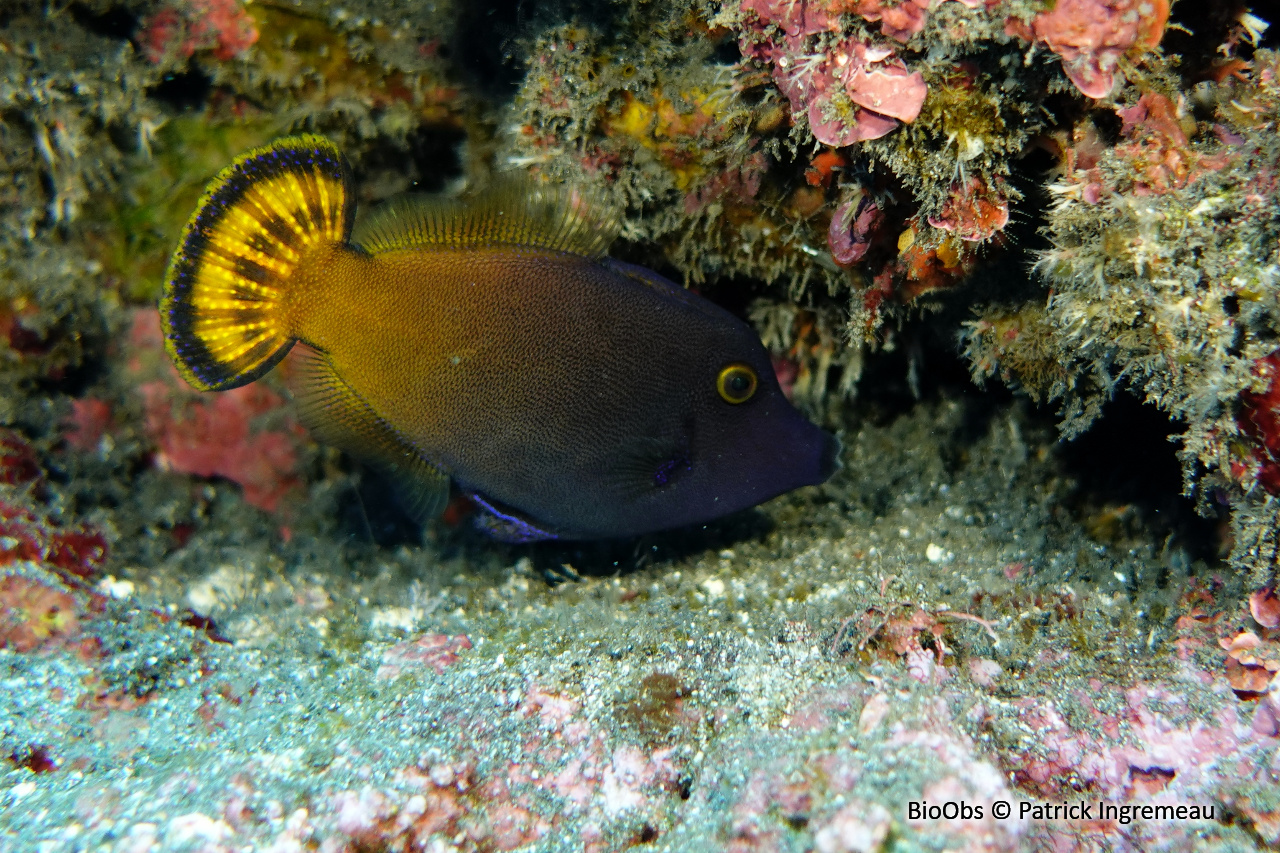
column 223, row 303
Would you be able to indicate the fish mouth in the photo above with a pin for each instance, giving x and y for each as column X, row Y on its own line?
column 820, row 459
column 799, row 453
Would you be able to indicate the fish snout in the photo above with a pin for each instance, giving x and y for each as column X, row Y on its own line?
column 795, row 453
column 815, row 454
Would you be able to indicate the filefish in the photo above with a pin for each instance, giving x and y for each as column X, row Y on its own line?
column 491, row 344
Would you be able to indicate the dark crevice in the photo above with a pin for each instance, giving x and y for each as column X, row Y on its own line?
column 372, row 513
column 116, row 22
column 187, row 90
column 1126, row 467
column 1196, row 30
column 490, row 36
column 432, row 160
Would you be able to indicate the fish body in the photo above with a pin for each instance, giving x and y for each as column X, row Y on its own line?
column 491, row 344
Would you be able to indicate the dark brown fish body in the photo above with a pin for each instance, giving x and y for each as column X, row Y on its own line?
column 572, row 395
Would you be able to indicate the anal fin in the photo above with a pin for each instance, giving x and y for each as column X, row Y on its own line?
column 336, row 414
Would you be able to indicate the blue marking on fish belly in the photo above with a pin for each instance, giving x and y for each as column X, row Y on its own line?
column 506, row 526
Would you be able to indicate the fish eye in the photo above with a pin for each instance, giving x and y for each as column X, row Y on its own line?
column 736, row 383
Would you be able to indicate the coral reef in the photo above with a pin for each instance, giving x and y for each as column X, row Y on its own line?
column 116, row 115
column 926, row 107
column 1162, row 269
column 228, row 435
column 28, row 531
column 102, row 163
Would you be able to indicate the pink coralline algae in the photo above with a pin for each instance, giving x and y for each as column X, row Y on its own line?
column 1155, row 154
column 904, row 634
column 737, row 183
column 1252, row 663
column 1259, row 420
column 795, row 19
column 1137, row 752
column 1264, row 606
column 897, row 21
column 851, row 228
column 904, row 19
column 591, row 777
column 804, row 772
column 72, row 552
column 182, row 27
column 565, row 771
column 218, row 435
column 41, row 607
column 973, row 212
column 27, row 532
column 432, row 805
column 853, row 92
column 879, row 85
column 88, row 421
column 217, row 439
column 859, row 825
column 35, row 616
column 18, row 462
column 1266, row 720
column 436, row 651
column 1092, row 36
column 1158, row 149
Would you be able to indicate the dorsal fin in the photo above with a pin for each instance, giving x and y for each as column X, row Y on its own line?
column 515, row 212
column 339, row 416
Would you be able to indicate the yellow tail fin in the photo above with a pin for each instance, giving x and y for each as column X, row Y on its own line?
column 223, row 303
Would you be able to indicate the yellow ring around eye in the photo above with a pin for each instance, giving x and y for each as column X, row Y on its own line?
column 736, row 383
